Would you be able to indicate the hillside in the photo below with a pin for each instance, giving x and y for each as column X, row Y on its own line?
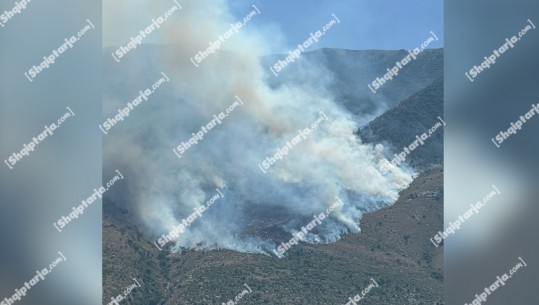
column 413, row 116
column 393, row 248
column 348, row 72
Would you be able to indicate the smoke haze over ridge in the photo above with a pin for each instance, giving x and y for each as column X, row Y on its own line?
column 163, row 189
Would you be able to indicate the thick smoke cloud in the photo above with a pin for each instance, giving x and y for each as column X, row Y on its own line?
column 258, row 210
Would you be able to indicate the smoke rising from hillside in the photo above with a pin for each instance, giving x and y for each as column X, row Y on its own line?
column 163, row 189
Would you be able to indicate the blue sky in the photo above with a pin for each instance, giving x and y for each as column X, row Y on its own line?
column 365, row 24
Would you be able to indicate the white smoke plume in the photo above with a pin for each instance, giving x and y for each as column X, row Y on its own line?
column 258, row 210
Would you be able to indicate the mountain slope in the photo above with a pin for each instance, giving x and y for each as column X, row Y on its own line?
column 393, row 249
column 413, row 116
column 348, row 72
